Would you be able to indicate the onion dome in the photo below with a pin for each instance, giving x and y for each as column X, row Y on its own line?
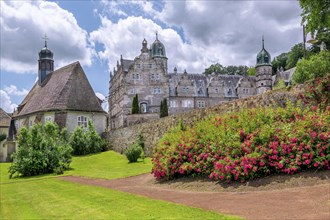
column 46, row 53
column 157, row 48
column 263, row 57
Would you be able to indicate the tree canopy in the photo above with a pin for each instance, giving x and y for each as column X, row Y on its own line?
column 226, row 70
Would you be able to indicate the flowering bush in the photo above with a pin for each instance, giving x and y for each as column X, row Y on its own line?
column 245, row 145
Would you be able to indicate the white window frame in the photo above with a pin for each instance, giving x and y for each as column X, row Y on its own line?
column 49, row 118
column 201, row 104
column 187, row 104
column 156, row 90
column 173, row 104
column 82, row 121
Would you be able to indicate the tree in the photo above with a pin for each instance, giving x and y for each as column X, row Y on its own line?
column 316, row 15
column 135, row 105
column 42, row 149
column 279, row 61
column 163, row 108
column 317, row 66
column 251, row 71
column 296, row 53
column 214, row 68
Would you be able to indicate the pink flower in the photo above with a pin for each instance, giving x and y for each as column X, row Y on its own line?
column 316, row 164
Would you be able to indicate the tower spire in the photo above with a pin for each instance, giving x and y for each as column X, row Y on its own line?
column 263, row 44
column 156, row 35
column 45, row 38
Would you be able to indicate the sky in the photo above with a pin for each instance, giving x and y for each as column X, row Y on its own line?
column 96, row 33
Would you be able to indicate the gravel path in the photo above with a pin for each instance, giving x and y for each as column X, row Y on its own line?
column 305, row 202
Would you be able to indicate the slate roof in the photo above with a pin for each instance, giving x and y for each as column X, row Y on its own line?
column 64, row 89
column 127, row 64
column 4, row 118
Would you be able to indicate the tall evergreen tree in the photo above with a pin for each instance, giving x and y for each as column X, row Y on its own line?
column 135, row 105
column 163, row 108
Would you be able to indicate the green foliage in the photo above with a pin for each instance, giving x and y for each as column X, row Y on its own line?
column 86, row 141
column 163, row 108
column 3, row 137
column 316, row 15
column 251, row 71
column 136, row 150
column 280, row 85
column 42, row 149
column 133, row 152
column 296, row 53
column 317, row 65
column 279, row 61
column 229, row 70
column 135, row 105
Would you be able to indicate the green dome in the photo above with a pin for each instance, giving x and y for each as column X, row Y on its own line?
column 263, row 56
column 157, row 49
column 45, row 53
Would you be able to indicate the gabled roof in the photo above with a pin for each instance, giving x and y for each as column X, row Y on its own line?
column 64, row 89
column 4, row 118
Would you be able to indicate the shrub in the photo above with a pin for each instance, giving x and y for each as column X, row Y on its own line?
column 86, row 141
column 133, row 152
column 245, row 145
column 317, row 66
column 41, row 150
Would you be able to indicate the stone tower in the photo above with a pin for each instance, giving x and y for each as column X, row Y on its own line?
column 158, row 53
column 263, row 70
column 46, row 62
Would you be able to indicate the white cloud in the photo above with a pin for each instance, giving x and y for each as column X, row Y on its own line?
column 24, row 23
column 13, row 90
column 6, row 103
column 105, row 104
column 199, row 33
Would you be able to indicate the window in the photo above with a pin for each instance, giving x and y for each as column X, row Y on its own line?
column 185, row 89
column 17, row 125
column 82, row 121
column 201, row 104
column 132, row 91
column 48, row 118
column 157, row 77
column 156, row 90
column 150, row 65
column 230, row 92
column 245, row 91
column 136, row 76
column 200, row 91
column 152, row 76
column 138, row 66
column 173, row 104
column 143, row 107
column 216, row 90
column 187, row 104
column 30, row 123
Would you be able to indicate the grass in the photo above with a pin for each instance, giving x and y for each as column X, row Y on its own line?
column 46, row 197
column 107, row 165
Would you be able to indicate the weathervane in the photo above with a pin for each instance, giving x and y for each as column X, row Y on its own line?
column 45, row 38
column 156, row 35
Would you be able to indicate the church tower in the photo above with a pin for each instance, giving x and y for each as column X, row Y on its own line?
column 263, row 70
column 45, row 62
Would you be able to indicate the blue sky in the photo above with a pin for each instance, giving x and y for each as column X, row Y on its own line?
column 96, row 32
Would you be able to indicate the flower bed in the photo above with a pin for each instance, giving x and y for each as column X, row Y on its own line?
column 245, row 145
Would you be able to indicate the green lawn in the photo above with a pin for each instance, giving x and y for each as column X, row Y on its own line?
column 107, row 165
column 47, row 197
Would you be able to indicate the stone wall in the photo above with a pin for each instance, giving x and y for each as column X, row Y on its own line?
column 154, row 130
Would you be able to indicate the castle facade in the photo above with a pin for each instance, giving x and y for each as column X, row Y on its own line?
column 147, row 75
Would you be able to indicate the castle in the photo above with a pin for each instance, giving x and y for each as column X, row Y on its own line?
column 147, row 75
